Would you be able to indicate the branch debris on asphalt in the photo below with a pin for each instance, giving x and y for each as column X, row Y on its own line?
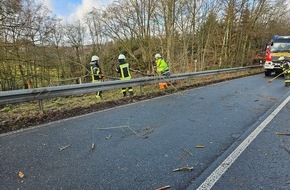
column 187, row 151
column 147, row 131
column 283, row 134
column 164, row 187
column 21, row 175
column 183, row 169
column 122, row 126
column 199, row 146
column 64, row 147
column 118, row 127
column 285, row 149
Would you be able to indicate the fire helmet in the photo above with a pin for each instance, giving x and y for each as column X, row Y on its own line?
column 95, row 58
column 121, row 56
column 281, row 58
column 157, row 56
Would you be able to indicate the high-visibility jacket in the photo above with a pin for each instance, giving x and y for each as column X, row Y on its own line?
column 161, row 66
column 286, row 67
column 124, row 70
column 96, row 71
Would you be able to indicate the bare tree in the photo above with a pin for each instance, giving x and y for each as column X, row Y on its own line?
column 75, row 35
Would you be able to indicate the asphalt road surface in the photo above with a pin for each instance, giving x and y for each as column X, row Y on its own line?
column 225, row 134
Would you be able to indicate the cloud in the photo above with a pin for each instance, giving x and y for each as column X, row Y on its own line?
column 85, row 7
column 69, row 10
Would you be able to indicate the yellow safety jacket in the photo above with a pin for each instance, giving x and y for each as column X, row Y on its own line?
column 161, row 66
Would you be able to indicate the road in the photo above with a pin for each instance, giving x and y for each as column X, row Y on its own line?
column 137, row 146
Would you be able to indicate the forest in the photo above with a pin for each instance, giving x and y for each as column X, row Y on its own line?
column 38, row 49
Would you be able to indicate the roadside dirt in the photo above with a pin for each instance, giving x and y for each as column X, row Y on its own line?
column 12, row 121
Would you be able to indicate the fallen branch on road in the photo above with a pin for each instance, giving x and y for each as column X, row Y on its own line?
column 283, row 134
column 164, row 187
column 64, row 147
column 183, row 169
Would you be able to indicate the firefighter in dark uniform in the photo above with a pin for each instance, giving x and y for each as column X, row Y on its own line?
column 96, row 72
column 123, row 69
column 285, row 64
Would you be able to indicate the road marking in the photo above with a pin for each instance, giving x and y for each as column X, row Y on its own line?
column 222, row 168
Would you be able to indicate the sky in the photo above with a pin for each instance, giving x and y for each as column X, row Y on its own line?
column 68, row 9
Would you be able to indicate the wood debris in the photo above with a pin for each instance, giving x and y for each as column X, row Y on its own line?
column 21, row 175
column 283, row 134
column 183, row 169
column 285, row 149
column 108, row 136
column 133, row 131
column 64, row 147
column 118, row 127
column 199, row 146
column 147, row 131
column 164, row 187
column 122, row 126
column 187, row 151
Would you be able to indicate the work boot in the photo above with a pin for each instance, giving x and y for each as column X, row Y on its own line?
column 99, row 95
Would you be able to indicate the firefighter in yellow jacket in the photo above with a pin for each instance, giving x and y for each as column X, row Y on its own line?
column 123, row 68
column 162, row 69
column 96, row 72
column 285, row 64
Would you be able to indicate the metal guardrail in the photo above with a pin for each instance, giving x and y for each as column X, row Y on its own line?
column 18, row 96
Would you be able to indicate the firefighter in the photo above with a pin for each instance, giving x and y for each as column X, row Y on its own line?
column 123, row 68
column 162, row 69
column 285, row 64
column 96, row 72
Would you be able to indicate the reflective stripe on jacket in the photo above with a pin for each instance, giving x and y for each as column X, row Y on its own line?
column 286, row 67
column 95, row 72
column 124, row 71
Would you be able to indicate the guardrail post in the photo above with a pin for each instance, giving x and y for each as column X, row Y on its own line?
column 40, row 102
column 141, row 89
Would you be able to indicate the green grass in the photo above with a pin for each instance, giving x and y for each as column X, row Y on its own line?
column 11, row 116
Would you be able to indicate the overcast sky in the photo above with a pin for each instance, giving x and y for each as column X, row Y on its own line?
column 73, row 8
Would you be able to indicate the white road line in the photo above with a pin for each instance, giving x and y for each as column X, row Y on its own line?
column 222, row 168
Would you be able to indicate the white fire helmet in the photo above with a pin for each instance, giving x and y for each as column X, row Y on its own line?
column 121, row 56
column 157, row 56
column 95, row 58
column 281, row 58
